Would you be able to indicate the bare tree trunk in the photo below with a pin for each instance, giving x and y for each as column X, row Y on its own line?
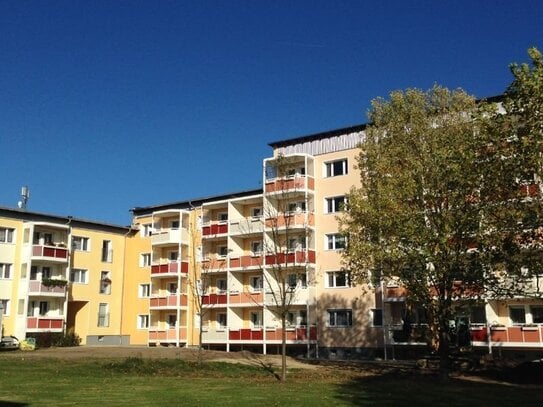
column 283, row 348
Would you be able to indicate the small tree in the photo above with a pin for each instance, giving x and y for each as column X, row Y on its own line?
column 280, row 246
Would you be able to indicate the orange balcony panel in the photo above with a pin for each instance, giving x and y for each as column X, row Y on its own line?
column 395, row 292
column 514, row 334
column 214, row 264
column 53, row 252
column 246, row 261
column 167, row 334
column 246, row 297
column 498, row 334
column 291, row 220
column 168, row 301
column 531, row 334
column 214, row 299
column 37, row 287
column 295, row 334
column 290, row 184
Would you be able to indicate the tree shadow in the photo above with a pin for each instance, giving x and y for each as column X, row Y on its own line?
column 259, row 361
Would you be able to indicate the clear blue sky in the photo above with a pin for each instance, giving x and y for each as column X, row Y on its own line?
column 107, row 105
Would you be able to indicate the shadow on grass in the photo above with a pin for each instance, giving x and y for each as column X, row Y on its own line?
column 5, row 403
column 257, row 360
column 391, row 387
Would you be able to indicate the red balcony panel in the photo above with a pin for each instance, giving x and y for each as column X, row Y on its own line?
column 50, row 251
column 301, row 334
column 235, row 262
column 245, row 334
column 479, row 335
column 222, row 228
column 234, row 335
column 298, row 257
column 206, row 230
column 313, row 333
column 184, row 267
column 44, row 323
column 169, row 268
column 257, row 335
column 31, row 323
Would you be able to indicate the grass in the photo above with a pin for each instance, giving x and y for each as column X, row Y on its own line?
column 148, row 382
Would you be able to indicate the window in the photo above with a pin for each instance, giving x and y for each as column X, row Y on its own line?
column 107, row 251
column 340, row 317
column 377, row 317
column 296, row 207
column 335, row 241
column 292, row 281
column 335, row 168
column 5, row 271
column 296, row 243
column 256, row 319
column 171, row 320
column 222, row 217
column 335, row 204
column 80, row 243
column 256, row 212
column 144, row 290
column 6, row 235
column 143, row 321
column 5, row 307
column 172, row 288
column 478, row 315
column 517, row 315
column 335, row 279
column 256, row 283
column 221, row 320
column 44, row 308
column 290, row 319
column 103, row 315
column 146, row 230
column 45, row 273
column 173, row 256
column 105, row 283
column 222, row 251
column 537, row 314
column 145, row 259
column 256, row 247
column 221, row 286
column 78, row 276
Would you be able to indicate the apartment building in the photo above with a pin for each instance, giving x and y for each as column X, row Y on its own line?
column 60, row 274
column 226, row 269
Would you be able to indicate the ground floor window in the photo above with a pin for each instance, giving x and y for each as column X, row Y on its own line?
column 340, row 317
column 143, row 321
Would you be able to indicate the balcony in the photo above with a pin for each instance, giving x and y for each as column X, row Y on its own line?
column 283, row 185
column 168, row 301
column 169, row 335
column 291, row 221
column 50, row 253
column 167, row 237
column 246, row 262
column 246, row 298
column 214, row 300
column 39, row 289
column 300, row 257
column 45, row 324
column 294, row 335
column 246, row 226
column 216, row 264
column 214, row 230
column 169, row 269
column 513, row 336
column 218, row 335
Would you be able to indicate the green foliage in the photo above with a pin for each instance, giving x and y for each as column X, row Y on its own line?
column 52, row 282
column 49, row 339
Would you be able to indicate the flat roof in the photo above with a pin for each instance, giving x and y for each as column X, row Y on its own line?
column 318, row 136
column 32, row 216
column 191, row 203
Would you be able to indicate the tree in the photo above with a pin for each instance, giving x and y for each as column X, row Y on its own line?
column 285, row 242
column 416, row 216
column 514, row 195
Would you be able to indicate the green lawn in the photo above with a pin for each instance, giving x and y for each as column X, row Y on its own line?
column 166, row 382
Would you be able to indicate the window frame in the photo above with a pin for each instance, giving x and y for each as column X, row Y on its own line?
column 6, row 306
column 143, row 289
column 335, row 313
column 145, row 259
column 332, row 204
column 84, row 243
column 512, row 309
column 7, row 235
column 5, row 271
column 332, row 239
column 103, row 318
column 143, row 321
column 332, row 276
column 330, row 168
column 80, row 272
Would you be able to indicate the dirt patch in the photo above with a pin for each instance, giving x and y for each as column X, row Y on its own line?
column 109, row 352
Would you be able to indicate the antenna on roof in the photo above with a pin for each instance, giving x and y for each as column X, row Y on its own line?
column 25, row 194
